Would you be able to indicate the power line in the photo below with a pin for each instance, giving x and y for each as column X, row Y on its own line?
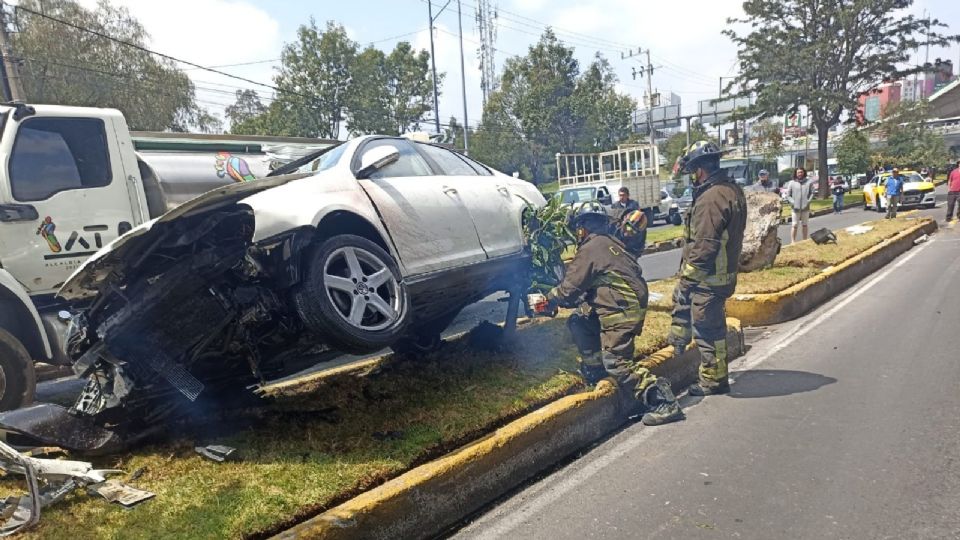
column 148, row 51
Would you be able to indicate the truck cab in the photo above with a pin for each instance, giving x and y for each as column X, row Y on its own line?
column 599, row 176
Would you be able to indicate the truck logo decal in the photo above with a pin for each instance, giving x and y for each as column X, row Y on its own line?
column 46, row 231
column 236, row 167
column 75, row 239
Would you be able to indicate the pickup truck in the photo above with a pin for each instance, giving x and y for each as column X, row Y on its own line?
column 73, row 179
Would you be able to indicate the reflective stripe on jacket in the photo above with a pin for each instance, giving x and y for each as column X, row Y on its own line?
column 605, row 276
column 714, row 232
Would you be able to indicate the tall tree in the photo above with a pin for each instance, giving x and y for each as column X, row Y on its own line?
column 546, row 105
column 315, row 79
column 409, row 86
column 767, row 137
column 246, row 106
column 68, row 66
column 909, row 141
column 853, row 152
column 367, row 100
column 824, row 54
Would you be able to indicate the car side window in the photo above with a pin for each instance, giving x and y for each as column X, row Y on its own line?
column 410, row 162
column 53, row 154
column 448, row 161
column 481, row 169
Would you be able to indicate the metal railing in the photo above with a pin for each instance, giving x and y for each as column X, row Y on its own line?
column 627, row 161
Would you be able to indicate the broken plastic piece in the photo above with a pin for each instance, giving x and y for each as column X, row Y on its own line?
column 218, row 452
column 59, row 476
column 118, row 492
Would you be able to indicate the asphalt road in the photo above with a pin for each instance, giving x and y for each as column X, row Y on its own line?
column 844, row 424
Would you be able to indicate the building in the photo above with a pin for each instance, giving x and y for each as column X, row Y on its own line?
column 872, row 104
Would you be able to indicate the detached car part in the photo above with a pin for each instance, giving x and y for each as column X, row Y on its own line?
column 48, row 481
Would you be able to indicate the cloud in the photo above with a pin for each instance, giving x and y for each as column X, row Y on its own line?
column 211, row 33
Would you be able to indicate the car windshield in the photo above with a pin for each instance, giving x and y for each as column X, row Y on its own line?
column 571, row 196
column 326, row 161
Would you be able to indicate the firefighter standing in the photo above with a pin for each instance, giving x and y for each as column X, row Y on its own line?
column 610, row 282
column 708, row 275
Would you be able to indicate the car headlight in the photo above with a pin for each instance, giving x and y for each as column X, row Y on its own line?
column 675, row 205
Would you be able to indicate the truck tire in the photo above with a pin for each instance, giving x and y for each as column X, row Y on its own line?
column 18, row 380
column 352, row 295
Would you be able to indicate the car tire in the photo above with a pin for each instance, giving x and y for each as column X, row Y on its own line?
column 930, row 206
column 18, row 378
column 336, row 301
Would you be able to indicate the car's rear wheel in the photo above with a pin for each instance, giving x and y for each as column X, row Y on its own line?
column 17, row 375
column 352, row 294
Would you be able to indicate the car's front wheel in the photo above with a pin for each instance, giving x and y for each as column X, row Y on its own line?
column 353, row 295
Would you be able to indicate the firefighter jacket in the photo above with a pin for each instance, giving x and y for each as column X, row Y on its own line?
column 605, row 276
column 714, row 233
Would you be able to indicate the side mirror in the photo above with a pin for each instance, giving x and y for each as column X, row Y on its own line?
column 606, row 200
column 375, row 159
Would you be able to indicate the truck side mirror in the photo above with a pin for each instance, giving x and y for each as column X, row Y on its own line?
column 375, row 159
column 606, row 200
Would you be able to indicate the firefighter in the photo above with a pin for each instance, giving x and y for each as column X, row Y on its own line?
column 713, row 240
column 605, row 277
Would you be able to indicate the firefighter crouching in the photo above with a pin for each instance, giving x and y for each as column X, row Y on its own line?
column 713, row 240
column 605, row 277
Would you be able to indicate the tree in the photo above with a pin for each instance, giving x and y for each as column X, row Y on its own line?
column 909, row 142
column 824, row 54
column 247, row 106
column 545, row 105
column 409, row 86
column 68, row 66
column 367, row 101
column 676, row 144
column 315, row 79
column 767, row 137
column 853, row 152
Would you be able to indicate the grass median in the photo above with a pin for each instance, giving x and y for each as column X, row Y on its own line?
column 803, row 260
column 329, row 438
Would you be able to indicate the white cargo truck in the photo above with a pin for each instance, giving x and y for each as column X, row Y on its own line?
column 599, row 176
column 72, row 179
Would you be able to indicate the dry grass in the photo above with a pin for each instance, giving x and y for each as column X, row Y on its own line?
column 803, row 260
column 331, row 438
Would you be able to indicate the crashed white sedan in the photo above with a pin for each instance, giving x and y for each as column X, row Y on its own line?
column 381, row 243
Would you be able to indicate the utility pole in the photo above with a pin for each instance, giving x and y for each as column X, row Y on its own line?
column 463, row 83
column 648, row 71
column 433, row 65
column 486, row 19
column 13, row 86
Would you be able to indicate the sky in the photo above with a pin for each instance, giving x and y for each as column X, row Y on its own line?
column 688, row 51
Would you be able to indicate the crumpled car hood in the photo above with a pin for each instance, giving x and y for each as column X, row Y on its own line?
column 87, row 279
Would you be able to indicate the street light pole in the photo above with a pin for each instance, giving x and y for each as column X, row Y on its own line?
column 463, row 84
column 433, row 65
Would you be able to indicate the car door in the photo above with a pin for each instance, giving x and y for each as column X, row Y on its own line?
column 492, row 205
column 422, row 211
column 65, row 195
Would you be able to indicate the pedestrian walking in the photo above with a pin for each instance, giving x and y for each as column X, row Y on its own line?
column 799, row 195
column 894, row 188
column 764, row 184
column 838, row 190
column 605, row 277
column 713, row 240
column 953, row 190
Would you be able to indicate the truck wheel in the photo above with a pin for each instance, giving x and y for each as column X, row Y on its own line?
column 352, row 295
column 17, row 377
column 675, row 219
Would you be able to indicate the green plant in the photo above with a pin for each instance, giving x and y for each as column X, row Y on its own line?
column 547, row 235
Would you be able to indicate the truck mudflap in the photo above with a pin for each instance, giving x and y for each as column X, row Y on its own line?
column 47, row 424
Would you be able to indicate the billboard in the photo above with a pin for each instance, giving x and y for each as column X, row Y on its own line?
column 871, row 108
column 665, row 116
column 714, row 111
column 793, row 125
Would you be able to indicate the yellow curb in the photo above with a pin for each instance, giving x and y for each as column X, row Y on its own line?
column 427, row 500
column 772, row 308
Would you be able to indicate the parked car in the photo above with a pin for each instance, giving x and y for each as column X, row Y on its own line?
column 668, row 210
column 381, row 248
column 917, row 191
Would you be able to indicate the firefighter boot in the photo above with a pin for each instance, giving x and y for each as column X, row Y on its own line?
column 661, row 404
column 713, row 372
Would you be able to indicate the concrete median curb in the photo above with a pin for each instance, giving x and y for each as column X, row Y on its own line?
column 431, row 498
column 772, row 308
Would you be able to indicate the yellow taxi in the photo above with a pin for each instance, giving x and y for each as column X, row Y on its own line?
column 917, row 191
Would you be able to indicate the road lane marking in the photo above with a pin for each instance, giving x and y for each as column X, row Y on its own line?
column 547, row 491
